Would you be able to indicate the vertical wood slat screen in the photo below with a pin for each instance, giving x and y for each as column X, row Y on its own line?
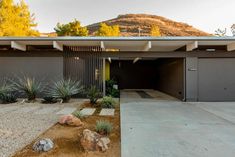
column 84, row 64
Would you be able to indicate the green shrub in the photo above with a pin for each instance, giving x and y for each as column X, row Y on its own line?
column 93, row 94
column 65, row 89
column 78, row 114
column 103, row 127
column 115, row 93
column 110, row 90
column 28, row 86
column 49, row 100
column 108, row 102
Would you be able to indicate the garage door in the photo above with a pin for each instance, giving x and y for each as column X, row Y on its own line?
column 216, row 79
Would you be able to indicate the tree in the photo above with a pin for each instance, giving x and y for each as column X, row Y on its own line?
column 73, row 28
column 16, row 20
column 108, row 31
column 155, row 31
column 221, row 33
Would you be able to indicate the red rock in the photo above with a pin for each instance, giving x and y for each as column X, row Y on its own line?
column 70, row 120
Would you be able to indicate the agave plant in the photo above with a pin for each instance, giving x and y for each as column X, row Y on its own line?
column 6, row 93
column 28, row 86
column 64, row 89
column 93, row 94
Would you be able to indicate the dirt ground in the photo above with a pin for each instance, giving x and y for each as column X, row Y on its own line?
column 66, row 139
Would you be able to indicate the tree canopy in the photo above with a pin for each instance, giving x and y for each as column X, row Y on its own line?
column 108, row 31
column 155, row 31
column 73, row 28
column 16, row 19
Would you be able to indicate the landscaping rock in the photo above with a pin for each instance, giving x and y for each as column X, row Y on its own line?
column 92, row 141
column 70, row 120
column 43, row 145
column 103, row 143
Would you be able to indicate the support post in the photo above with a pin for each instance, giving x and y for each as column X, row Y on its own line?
column 104, row 86
column 102, row 45
column 18, row 46
column 58, row 46
column 192, row 46
column 148, row 46
column 231, row 47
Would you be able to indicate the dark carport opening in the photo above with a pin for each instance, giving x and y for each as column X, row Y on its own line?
column 162, row 74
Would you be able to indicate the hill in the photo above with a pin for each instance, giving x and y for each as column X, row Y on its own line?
column 130, row 23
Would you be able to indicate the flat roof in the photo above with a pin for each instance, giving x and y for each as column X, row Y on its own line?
column 122, row 43
column 168, row 38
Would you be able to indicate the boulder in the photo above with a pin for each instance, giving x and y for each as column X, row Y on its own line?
column 92, row 141
column 43, row 145
column 70, row 120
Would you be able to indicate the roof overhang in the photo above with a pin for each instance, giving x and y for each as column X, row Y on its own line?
column 158, row 44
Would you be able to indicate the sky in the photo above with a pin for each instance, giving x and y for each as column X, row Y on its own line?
column 207, row 15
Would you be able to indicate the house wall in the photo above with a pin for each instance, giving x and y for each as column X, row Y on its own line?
column 216, row 79
column 42, row 68
column 170, row 76
column 191, row 78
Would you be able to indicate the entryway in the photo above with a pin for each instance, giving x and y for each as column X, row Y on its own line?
column 160, row 74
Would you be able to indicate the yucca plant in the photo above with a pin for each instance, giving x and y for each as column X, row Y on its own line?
column 28, row 86
column 6, row 93
column 93, row 94
column 65, row 89
column 103, row 127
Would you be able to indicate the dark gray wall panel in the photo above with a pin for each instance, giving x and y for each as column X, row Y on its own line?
column 216, row 79
column 170, row 76
column 191, row 77
column 43, row 68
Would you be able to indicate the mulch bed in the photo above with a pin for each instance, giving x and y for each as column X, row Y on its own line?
column 66, row 138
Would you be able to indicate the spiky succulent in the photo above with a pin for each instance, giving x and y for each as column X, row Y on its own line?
column 64, row 89
column 93, row 94
column 28, row 86
column 6, row 92
column 103, row 127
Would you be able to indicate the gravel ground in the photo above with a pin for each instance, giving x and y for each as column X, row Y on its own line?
column 20, row 123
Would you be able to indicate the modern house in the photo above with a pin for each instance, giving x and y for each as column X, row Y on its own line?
column 188, row 68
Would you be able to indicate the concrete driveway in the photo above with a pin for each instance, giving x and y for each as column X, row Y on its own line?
column 161, row 128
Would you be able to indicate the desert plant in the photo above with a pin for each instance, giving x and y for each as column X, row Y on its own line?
column 65, row 89
column 6, row 93
column 103, row 127
column 28, row 86
column 108, row 102
column 78, row 114
column 93, row 94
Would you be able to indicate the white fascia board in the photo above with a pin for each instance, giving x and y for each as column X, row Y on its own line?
column 192, row 46
column 58, row 46
column 231, row 47
column 18, row 46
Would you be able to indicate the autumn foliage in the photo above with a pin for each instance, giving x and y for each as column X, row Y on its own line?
column 16, row 20
column 73, row 28
column 108, row 31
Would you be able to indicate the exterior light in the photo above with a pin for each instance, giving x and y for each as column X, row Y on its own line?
column 136, row 59
column 76, row 58
column 109, row 60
